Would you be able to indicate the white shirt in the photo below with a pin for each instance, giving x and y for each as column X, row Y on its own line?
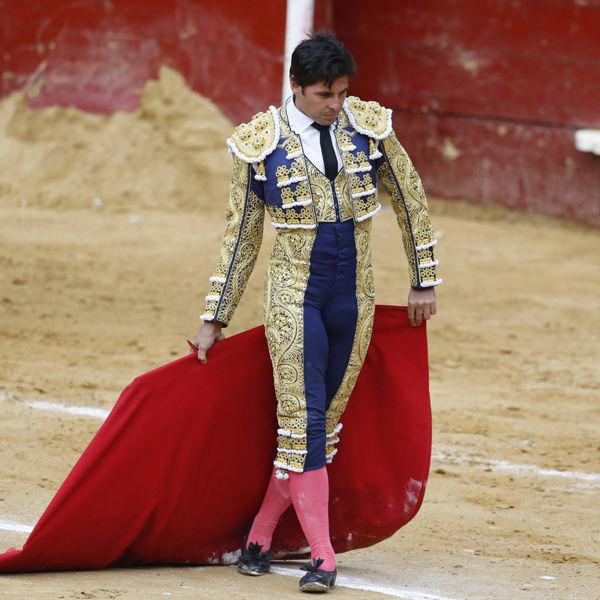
column 301, row 124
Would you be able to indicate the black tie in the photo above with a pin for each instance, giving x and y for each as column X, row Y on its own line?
column 329, row 157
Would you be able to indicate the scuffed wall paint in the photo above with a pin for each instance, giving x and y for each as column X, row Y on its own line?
column 95, row 55
column 487, row 95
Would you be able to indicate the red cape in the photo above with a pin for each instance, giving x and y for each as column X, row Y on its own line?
column 177, row 471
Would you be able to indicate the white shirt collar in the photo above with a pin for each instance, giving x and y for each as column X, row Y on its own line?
column 298, row 121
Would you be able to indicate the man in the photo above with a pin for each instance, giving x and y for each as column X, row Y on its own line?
column 314, row 164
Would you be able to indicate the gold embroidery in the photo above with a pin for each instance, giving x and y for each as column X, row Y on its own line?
column 319, row 189
column 299, row 196
column 261, row 174
column 292, row 146
column 344, row 138
column 428, row 274
column 365, row 206
column 287, row 442
column 368, row 118
column 241, row 243
column 343, row 194
column 292, row 216
column 350, row 162
column 289, row 267
column 374, row 153
column 361, row 184
column 356, row 162
column 322, row 194
column 363, row 160
column 282, row 173
column 253, row 141
column 211, row 308
column 296, row 172
column 364, row 196
column 402, row 181
column 285, row 286
column 215, row 288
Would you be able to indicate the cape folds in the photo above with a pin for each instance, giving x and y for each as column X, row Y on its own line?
column 177, row 471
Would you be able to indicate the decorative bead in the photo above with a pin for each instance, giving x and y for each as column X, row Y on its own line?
column 281, row 474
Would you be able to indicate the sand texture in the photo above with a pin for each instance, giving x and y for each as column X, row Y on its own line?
column 109, row 229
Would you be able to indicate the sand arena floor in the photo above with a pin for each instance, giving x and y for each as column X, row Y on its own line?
column 94, row 294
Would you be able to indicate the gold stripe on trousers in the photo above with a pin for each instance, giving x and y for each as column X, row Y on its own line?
column 285, row 287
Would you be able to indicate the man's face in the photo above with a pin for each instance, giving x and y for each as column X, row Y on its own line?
column 320, row 102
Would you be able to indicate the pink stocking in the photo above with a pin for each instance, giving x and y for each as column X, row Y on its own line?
column 276, row 500
column 310, row 495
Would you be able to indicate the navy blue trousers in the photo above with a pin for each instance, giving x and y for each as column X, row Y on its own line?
column 330, row 315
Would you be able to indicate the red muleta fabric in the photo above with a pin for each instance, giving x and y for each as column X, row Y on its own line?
column 178, row 470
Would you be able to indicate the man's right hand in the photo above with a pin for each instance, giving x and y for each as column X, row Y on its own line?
column 207, row 335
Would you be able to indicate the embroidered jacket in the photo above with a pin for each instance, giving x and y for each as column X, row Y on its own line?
column 270, row 172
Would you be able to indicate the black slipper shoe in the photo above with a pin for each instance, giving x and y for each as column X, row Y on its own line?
column 253, row 561
column 317, row 580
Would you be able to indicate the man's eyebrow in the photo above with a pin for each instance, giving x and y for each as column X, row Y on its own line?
column 329, row 92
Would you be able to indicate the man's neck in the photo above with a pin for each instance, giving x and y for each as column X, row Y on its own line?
column 296, row 105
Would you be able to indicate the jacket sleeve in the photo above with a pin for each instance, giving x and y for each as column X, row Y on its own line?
column 240, row 246
column 402, row 181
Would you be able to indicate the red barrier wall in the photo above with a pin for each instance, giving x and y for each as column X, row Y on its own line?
column 96, row 54
column 487, row 94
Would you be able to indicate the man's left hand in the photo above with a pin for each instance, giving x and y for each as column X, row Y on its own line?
column 421, row 305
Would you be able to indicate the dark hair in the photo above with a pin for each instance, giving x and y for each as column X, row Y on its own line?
column 321, row 57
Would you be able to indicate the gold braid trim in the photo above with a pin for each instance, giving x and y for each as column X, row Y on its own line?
column 403, row 183
column 239, row 250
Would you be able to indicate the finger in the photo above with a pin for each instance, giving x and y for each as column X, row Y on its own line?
column 433, row 308
column 411, row 316
column 418, row 317
column 426, row 313
column 202, row 356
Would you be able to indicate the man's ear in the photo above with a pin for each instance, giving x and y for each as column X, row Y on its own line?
column 294, row 85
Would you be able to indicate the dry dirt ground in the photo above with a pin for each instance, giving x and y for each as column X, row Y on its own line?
column 109, row 228
column 90, row 298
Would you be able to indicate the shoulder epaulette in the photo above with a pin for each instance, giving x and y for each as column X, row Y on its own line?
column 254, row 141
column 368, row 118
